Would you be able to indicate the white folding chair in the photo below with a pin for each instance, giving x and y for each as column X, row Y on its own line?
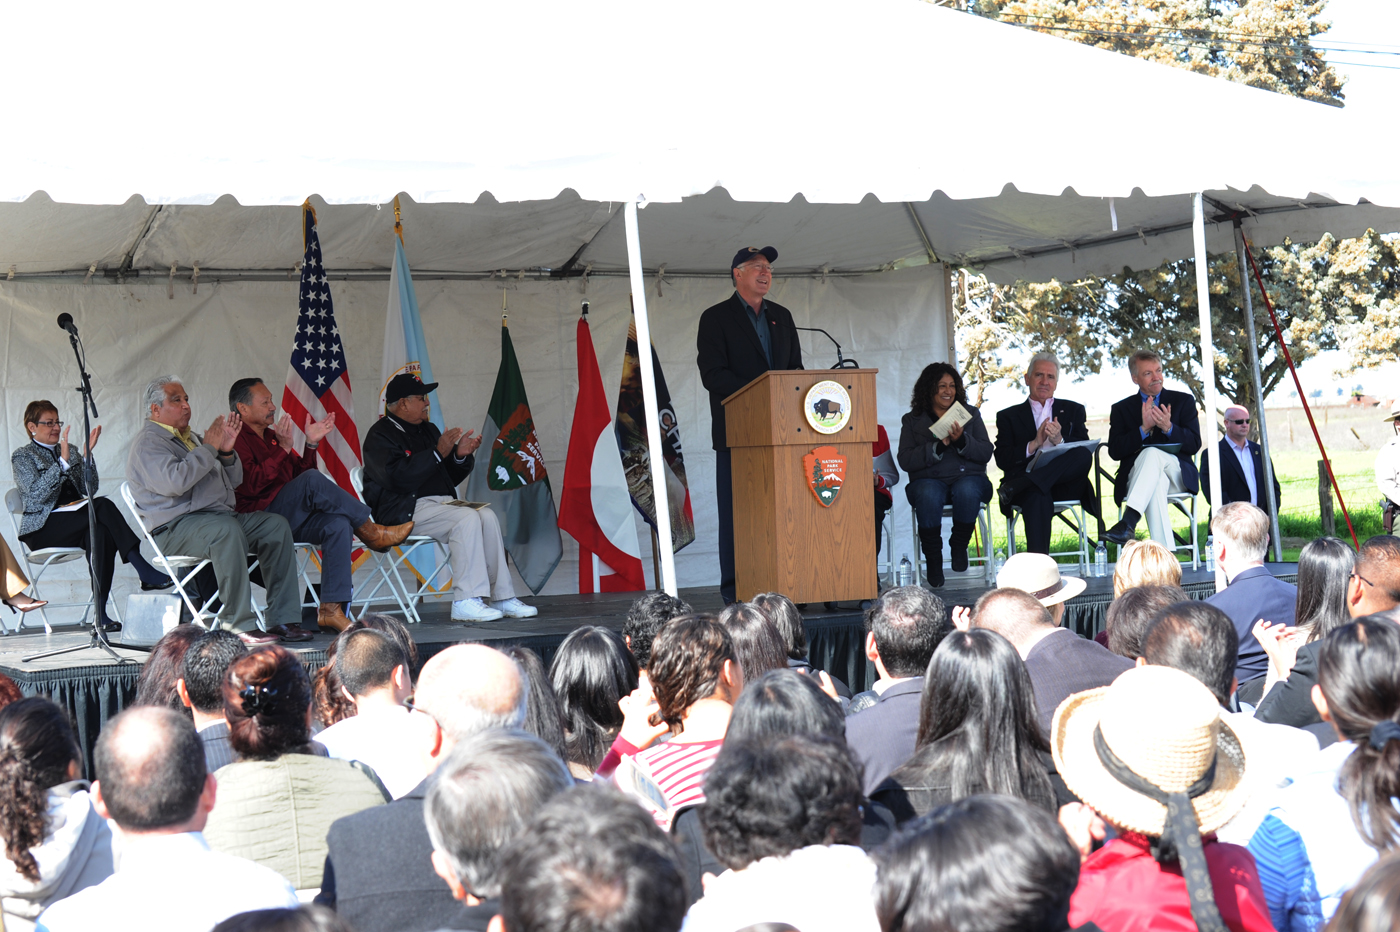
column 884, row 568
column 988, row 559
column 1075, row 510
column 43, row 558
column 175, row 565
column 387, row 567
column 1184, row 502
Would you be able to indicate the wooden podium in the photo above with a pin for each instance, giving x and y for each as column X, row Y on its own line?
column 785, row 540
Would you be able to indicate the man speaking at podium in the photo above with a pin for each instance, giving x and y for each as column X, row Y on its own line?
column 740, row 339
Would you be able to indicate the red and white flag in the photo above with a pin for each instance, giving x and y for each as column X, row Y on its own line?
column 596, row 507
column 318, row 382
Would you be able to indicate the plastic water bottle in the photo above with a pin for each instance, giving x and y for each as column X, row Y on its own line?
column 1210, row 553
column 1101, row 560
column 905, row 576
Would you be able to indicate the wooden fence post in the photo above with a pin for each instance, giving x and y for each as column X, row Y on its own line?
column 1324, row 501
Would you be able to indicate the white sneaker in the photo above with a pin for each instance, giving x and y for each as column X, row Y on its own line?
column 473, row 610
column 514, row 608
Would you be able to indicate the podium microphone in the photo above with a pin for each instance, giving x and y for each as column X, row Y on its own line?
column 841, row 362
column 65, row 322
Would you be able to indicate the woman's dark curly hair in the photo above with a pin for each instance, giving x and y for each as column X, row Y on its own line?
column 768, row 798
column 687, row 659
column 921, row 401
column 266, row 695
column 36, row 749
column 165, row 665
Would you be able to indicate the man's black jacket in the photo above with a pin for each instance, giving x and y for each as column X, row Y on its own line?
column 402, row 466
column 730, row 356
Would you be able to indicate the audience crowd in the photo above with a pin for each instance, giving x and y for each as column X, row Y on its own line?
column 1231, row 763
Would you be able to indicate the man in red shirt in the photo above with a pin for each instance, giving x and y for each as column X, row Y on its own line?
column 319, row 511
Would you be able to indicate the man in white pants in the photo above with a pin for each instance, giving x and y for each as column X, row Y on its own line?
column 1153, row 433
column 413, row 470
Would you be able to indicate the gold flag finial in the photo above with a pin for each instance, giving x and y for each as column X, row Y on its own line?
column 398, row 219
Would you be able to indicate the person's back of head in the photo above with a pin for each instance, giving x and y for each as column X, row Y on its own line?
column 1244, row 530
column 591, row 671
column 306, row 918
column 1324, row 572
column 977, row 715
column 469, row 688
column 481, row 798
column 157, row 684
column 204, row 666
column 1016, row 615
column 645, row 618
column 1196, row 638
column 1358, row 672
column 37, row 752
column 367, row 661
column 1373, row 905
column 1132, row 613
column 150, row 770
column 1378, row 575
column 9, row 691
column 693, row 658
column 543, row 717
column 393, row 627
column 784, row 614
column 781, row 703
column 1145, row 563
column 989, row 863
column 766, row 798
column 266, row 697
column 592, row 860
column 757, row 642
column 908, row 623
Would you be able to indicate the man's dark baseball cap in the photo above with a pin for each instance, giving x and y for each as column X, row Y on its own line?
column 405, row 384
column 749, row 252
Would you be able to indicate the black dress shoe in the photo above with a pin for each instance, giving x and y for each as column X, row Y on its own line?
column 112, row 627
column 151, row 587
column 1120, row 533
column 290, row 632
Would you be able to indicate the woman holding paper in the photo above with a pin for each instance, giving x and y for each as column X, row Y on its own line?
column 944, row 448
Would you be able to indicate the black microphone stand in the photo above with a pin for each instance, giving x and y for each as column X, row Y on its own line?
column 98, row 637
column 841, row 362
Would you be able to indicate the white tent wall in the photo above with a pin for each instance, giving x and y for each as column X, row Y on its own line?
column 894, row 321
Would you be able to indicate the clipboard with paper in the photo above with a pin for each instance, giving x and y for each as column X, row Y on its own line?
column 1050, row 454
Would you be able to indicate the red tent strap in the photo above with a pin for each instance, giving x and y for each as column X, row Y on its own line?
column 1288, row 357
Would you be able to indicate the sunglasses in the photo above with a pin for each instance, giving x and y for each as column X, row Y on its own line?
column 1242, row 420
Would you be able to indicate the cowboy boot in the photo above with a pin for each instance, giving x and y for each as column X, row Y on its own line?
column 931, row 542
column 957, row 544
column 331, row 615
column 380, row 538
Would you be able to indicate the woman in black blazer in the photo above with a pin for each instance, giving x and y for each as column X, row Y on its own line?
column 51, row 479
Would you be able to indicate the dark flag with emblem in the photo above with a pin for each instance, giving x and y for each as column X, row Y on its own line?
column 318, row 382
column 510, row 475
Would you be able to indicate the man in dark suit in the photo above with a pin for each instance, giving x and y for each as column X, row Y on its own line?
column 1374, row 590
column 1059, row 662
column 904, row 628
column 739, row 340
column 1237, row 451
column 1241, row 534
column 1153, row 434
column 1040, row 422
column 200, row 687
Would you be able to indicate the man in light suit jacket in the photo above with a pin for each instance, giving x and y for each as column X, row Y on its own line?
column 1153, row 434
column 1040, row 422
column 1241, row 540
column 739, row 340
column 1238, row 483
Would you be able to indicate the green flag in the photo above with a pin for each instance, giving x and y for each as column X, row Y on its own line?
column 511, row 476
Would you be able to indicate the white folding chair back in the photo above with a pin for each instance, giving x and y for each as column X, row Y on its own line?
column 43, row 558
column 175, row 566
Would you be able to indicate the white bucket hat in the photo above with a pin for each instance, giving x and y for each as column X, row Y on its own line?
column 1039, row 575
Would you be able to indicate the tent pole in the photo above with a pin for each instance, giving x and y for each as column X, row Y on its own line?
column 654, row 454
column 1209, row 436
column 1267, row 493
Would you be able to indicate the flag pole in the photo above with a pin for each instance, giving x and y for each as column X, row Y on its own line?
column 653, row 418
column 398, row 220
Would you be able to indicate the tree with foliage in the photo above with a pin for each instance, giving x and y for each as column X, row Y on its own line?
column 1333, row 294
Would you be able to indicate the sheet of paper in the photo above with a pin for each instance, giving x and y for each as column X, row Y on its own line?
column 957, row 414
column 1049, row 454
column 461, row 504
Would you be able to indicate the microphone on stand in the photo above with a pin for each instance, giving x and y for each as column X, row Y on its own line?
column 65, row 322
column 841, row 362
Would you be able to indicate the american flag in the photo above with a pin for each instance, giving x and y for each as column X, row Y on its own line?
column 318, row 381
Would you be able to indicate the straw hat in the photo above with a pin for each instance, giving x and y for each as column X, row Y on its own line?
column 1039, row 575
column 1394, row 412
column 1165, row 726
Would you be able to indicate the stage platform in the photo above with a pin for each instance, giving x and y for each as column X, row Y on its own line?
column 95, row 688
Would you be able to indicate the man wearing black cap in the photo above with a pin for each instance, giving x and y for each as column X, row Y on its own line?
column 412, row 471
column 739, row 340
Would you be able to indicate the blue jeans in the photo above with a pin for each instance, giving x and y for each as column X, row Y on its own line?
column 967, row 493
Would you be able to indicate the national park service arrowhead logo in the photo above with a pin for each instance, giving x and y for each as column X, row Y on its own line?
column 826, row 473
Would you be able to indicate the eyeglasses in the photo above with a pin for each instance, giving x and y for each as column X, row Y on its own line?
column 1242, row 420
column 1356, row 575
column 412, row 706
column 49, row 423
